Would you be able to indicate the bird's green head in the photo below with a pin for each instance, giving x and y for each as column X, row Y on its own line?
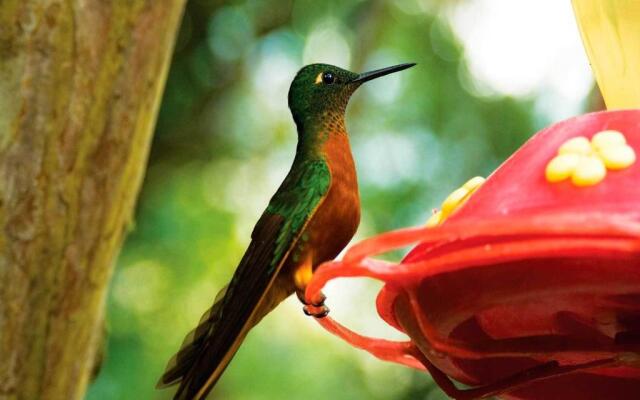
column 320, row 90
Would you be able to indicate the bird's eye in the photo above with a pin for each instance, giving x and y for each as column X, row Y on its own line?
column 328, row 78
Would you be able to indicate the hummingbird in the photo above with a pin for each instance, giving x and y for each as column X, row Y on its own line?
column 312, row 216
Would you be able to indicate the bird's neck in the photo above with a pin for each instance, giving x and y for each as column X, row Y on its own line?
column 315, row 131
column 326, row 139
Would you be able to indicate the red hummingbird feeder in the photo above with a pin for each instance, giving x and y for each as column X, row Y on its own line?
column 527, row 285
column 530, row 287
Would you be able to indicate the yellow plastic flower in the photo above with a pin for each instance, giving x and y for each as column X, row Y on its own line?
column 456, row 199
column 586, row 162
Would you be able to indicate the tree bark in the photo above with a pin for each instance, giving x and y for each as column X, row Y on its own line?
column 80, row 85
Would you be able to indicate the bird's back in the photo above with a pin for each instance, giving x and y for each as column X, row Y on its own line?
column 208, row 349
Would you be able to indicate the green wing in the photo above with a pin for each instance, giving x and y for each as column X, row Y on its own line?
column 208, row 349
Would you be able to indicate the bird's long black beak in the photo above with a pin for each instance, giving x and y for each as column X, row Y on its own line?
column 367, row 76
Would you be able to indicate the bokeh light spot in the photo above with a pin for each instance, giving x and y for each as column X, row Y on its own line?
column 139, row 287
column 519, row 48
column 327, row 44
column 230, row 33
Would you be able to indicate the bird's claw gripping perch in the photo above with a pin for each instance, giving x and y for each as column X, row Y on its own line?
column 319, row 300
column 322, row 311
column 316, row 307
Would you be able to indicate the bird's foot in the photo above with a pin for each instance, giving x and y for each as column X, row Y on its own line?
column 316, row 308
column 316, row 312
column 317, row 302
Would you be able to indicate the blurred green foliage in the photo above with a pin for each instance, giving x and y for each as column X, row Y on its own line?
column 224, row 141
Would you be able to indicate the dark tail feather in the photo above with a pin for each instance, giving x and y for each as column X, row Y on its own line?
column 208, row 350
column 183, row 360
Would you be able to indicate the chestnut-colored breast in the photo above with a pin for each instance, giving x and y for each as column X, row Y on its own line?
column 336, row 221
column 331, row 227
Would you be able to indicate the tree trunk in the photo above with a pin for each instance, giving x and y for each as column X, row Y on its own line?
column 80, row 84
